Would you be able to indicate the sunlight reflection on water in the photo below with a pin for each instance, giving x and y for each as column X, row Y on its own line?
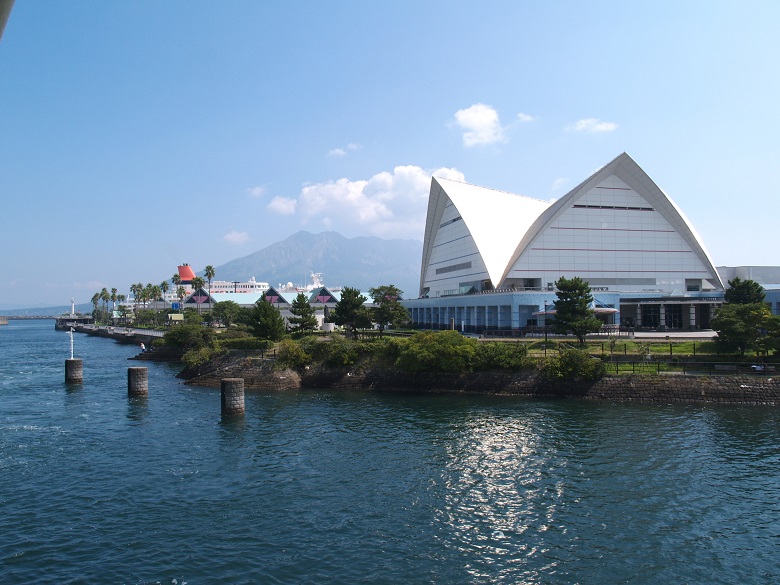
column 331, row 487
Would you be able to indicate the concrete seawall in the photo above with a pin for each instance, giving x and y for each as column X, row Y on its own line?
column 121, row 334
column 664, row 389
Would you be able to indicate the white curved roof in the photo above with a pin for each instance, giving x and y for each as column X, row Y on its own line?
column 504, row 225
column 495, row 219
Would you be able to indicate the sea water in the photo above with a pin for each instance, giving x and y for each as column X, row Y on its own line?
column 343, row 487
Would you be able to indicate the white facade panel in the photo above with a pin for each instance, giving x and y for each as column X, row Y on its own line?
column 616, row 229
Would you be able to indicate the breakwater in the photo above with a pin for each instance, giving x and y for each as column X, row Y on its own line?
column 260, row 374
column 121, row 334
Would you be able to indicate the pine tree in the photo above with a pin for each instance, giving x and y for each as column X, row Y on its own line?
column 572, row 309
column 350, row 312
column 744, row 292
column 266, row 321
column 388, row 310
column 303, row 320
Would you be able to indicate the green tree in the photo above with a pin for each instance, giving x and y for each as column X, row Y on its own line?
column 209, row 273
column 181, row 292
column 742, row 327
column 744, row 292
column 303, row 320
column 95, row 301
column 197, row 284
column 105, row 296
column 388, row 310
column 155, row 294
column 265, row 320
column 350, row 312
column 164, row 288
column 772, row 339
column 572, row 309
column 136, row 289
column 226, row 312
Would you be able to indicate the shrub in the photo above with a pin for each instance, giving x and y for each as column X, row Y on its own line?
column 197, row 356
column 496, row 355
column 189, row 335
column 341, row 351
column 443, row 351
column 573, row 364
column 291, row 355
column 245, row 343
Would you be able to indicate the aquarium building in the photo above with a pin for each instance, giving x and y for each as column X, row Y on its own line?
column 490, row 259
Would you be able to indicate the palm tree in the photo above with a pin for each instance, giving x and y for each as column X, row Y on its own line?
column 155, row 293
column 164, row 287
column 113, row 299
column 136, row 289
column 197, row 284
column 181, row 292
column 105, row 297
column 95, row 301
column 209, row 273
column 121, row 299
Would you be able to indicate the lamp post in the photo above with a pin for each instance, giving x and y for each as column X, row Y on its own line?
column 545, row 327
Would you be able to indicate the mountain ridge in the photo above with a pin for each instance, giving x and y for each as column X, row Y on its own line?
column 361, row 262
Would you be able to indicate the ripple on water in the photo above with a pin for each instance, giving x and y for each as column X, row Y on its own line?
column 330, row 487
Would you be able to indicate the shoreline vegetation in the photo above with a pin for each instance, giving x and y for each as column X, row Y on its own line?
column 446, row 362
column 373, row 350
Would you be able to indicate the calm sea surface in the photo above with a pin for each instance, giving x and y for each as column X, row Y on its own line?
column 339, row 487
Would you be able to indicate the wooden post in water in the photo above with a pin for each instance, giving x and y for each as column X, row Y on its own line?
column 74, row 371
column 137, row 381
column 232, row 396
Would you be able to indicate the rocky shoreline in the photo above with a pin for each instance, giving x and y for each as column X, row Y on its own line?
column 260, row 374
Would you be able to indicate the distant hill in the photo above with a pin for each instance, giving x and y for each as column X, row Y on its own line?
column 361, row 263
column 54, row 311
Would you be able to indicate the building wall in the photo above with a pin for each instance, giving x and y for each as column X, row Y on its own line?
column 613, row 238
column 455, row 259
column 500, row 310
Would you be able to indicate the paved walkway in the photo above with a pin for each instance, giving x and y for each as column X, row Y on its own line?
column 704, row 334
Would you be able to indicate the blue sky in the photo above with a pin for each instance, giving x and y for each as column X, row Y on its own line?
column 138, row 135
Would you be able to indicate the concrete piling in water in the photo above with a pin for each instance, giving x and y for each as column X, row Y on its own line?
column 74, row 371
column 232, row 396
column 137, row 381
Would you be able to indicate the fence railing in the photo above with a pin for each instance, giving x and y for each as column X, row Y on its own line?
column 689, row 368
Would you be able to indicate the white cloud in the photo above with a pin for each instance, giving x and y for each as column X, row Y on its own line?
column 256, row 192
column 558, row 183
column 592, row 125
column 343, row 151
column 481, row 124
column 521, row 117
column 236, row 237
column 388, row 205
column 282, row 205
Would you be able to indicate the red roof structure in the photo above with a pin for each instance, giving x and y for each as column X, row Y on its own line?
column 186, row 274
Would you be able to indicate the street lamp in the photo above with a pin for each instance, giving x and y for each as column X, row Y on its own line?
column 545, row 327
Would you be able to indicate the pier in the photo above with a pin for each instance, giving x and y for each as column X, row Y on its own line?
column 132, row 335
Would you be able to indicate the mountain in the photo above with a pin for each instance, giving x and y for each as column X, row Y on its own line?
column 361, row 263
column 54, row 311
